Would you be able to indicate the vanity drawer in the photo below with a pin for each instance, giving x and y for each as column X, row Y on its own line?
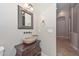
column 28, row 51
column 32, row 52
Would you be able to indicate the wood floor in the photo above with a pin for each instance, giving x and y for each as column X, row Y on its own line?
column 64, row 48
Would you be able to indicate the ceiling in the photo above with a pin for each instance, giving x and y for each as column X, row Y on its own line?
column 61, row 6
column 65, row 5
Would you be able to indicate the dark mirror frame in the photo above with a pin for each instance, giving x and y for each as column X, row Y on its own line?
column 21, row 19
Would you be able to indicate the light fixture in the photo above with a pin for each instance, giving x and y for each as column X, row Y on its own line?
column 25, row 5
column 29, row 7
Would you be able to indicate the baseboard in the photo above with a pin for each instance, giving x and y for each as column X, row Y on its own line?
column 65, row 37
column 59, row 36
column 74, row 47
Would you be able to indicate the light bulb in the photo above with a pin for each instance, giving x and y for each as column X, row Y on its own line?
column 31, row 9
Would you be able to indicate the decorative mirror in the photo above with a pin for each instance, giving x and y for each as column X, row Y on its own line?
column 25, row 18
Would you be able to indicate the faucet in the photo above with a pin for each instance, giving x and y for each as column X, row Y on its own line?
column 28, row 32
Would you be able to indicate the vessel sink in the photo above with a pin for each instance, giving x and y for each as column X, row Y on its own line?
column 29, row 40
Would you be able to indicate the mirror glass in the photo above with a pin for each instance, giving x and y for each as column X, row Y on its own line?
column 25, row 18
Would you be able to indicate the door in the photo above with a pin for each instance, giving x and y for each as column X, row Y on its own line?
column 61, row 27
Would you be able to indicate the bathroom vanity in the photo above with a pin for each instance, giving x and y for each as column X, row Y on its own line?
column 32, row 49
column 30, row 45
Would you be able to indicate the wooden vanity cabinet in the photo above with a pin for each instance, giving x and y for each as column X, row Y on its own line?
column 32, row 49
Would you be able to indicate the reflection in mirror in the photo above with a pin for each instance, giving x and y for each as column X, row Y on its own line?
column 25, row 18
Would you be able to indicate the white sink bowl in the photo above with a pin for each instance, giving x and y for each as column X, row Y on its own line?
column 29, row 40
